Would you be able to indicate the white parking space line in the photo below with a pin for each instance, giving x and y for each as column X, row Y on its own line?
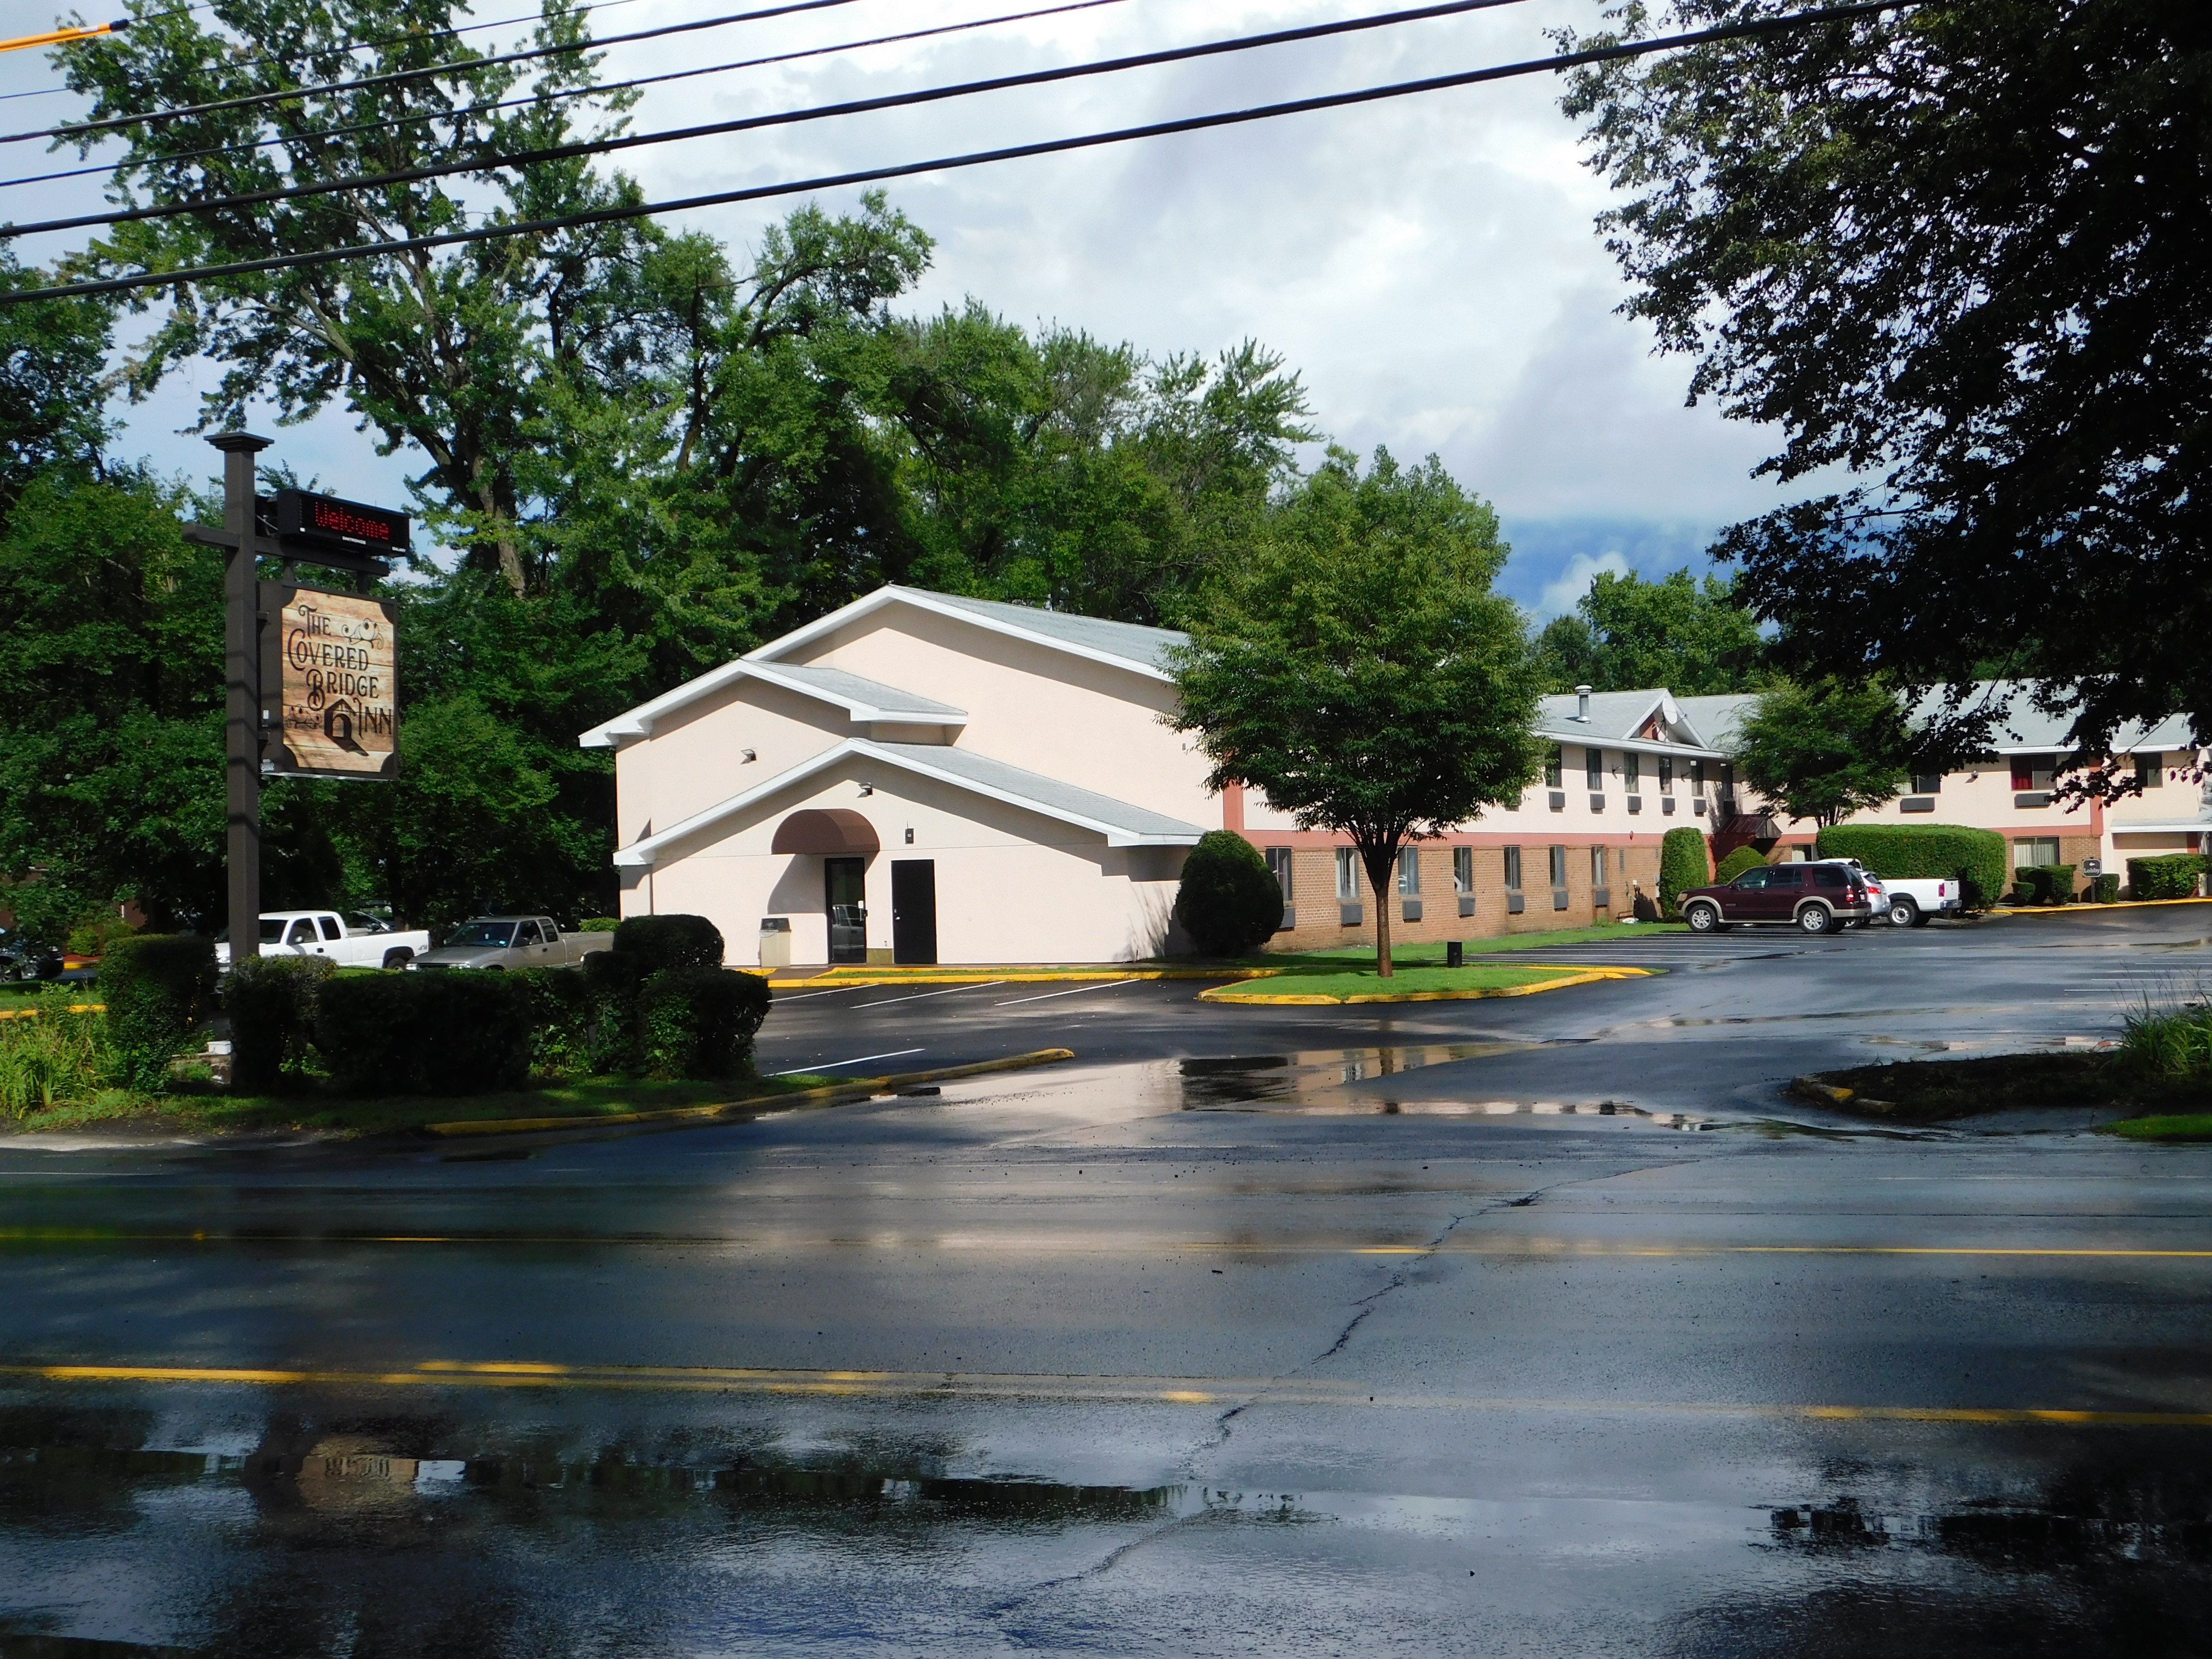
column 833, row 991
column 1106, row 985
column 918, row 995
column 858, row 1059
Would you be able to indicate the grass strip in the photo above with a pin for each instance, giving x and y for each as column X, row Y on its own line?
column 1943, row 1091
column 2173, row 1127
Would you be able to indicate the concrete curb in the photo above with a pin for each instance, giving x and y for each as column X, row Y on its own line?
column 826, row 1094
column 1298, row 1000
column 2086, row 907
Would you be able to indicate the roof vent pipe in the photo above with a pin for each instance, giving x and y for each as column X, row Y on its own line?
column 1581, row 703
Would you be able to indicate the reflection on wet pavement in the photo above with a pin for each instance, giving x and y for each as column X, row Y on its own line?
column 1321, row 1083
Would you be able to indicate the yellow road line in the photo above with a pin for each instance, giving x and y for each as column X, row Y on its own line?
column 1181, row 1391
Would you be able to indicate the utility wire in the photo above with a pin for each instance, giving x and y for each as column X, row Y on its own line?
column 598, row 89
column 350, row 45
column 80, row 129
column 947, row 163
column 750, row 123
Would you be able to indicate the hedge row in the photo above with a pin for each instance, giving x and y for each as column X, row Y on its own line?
column 1976, row 859
column 658, row 1005
column 2045, row 883
column 1685, row 861
column 2175, row 875
column 157, row 988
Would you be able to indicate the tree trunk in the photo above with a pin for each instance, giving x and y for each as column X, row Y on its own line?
column 1383, row 924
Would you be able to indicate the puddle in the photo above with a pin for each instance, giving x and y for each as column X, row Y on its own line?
column 1320, row 1084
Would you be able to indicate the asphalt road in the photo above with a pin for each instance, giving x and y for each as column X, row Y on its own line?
column 1252, row 1331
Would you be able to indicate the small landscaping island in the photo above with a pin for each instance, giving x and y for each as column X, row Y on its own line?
column 1351, row 974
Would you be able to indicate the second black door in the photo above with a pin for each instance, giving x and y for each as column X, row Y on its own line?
column 914, row 911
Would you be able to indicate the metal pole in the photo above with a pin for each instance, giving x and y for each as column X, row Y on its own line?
column 242, row 692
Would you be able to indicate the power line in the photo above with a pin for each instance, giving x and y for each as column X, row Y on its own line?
column 350, row 45
column 108, row 123
column 750, row 123
column 599, row 88
column 948, row 163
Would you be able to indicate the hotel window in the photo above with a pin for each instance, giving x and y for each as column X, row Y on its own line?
column 1347, row 875
column 2033, row 772
column 1462, row 869
column 1555, row 768
column 1512, row 869
column 1594, row 768
column 1597, row 866
column 1409, row 871
column 1632, row 772
column 1698, row 777
column 2034, row 852
column 1927, row 783
column 1666, row 774
column 1278, row 860
column 2150, row 770
column 1559, row 866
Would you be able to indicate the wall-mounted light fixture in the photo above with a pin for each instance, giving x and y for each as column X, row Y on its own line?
column 910, row 835
column 867, row 789
column 747, row 755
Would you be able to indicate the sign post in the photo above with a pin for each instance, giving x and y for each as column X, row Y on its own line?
column 311, row 674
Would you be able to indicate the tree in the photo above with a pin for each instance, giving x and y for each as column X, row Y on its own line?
column 1825, row 750
column 53, row 382
column 1228, row 901
column 1957, row 249
column 1357, row 669
column 1685, row 860
column 1626, row 634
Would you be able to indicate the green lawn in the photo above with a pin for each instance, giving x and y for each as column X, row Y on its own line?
column 1350, row 982
column 2190, row 1126
column 1433, row 950
column 214, row 1112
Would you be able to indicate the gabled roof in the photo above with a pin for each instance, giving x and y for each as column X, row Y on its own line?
column 1617, row 718
column 2025, row 729
column 864, row 699
column 1125, row 645
column 1716, row 717
column 1122, row 823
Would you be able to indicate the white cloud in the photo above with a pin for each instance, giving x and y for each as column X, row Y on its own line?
column 1582, row 571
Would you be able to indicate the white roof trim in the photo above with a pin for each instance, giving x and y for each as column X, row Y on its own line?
column 1590, row 740
column 644, row 853
column 638, row 722
column 2180, row 826
column 922, row 601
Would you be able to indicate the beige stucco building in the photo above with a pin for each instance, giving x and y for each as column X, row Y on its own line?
column 920, row 777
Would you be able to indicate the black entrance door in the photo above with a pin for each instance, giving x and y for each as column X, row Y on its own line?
column 914, row 911
column 845, row 897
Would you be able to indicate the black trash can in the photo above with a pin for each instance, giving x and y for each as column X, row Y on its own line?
column 1455, row 953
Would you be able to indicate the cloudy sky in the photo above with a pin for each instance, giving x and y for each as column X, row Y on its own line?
column 1428, row 264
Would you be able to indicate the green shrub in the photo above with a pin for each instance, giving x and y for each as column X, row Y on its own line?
column 1743, row 859
column 2043, row 883
column 156, row 987
column 1230, row 902
column 49, row 1059
column 2175, row 875
column 612, row 982
column 271, row 1003
column 699, row 1021
column 434, row 1033
column 95, row 935
column 2105, row 890
column 1685, row 861
column 670, row 941
column 2175, row 1043
column 559, row 1020
column 1977, row 860
column 598, row 924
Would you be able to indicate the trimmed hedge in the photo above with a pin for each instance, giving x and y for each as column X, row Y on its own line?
column 2046, row 884
column 670, row 941
column 156, row 987
column 1229, row 901
column 271, row 1003
column 2105, row 890
column 597, row 925
column 450, row 1033
column 699, row 1022
column 1976, row 859
column 2174, row 875
column 1743, row 859
column 1685, row 861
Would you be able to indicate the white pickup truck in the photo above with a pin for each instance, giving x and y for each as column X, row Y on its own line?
column 1912, row 899
column 354, row 941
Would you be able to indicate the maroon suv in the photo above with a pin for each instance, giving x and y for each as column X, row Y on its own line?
column 1817, row 897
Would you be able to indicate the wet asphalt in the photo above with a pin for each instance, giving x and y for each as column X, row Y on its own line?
column 1533, row 1326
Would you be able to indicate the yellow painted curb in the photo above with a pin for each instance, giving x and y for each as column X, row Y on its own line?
column 1293, row 998
column 2086, row 905
column 833, row 981
column 825, row 1094
column 74, row 1008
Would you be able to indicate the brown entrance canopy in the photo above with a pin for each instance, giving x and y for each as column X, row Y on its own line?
column 826, row 829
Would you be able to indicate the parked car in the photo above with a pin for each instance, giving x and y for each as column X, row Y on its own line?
column 22, row 959
column 356, row 941
column 1817, row 898
column 1911, row 901
column 497, row 942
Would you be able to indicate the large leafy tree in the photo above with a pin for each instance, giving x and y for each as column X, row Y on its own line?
column 1825, row 749
column 1357, row 669
column 1625, row 633
column 1955, row 254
